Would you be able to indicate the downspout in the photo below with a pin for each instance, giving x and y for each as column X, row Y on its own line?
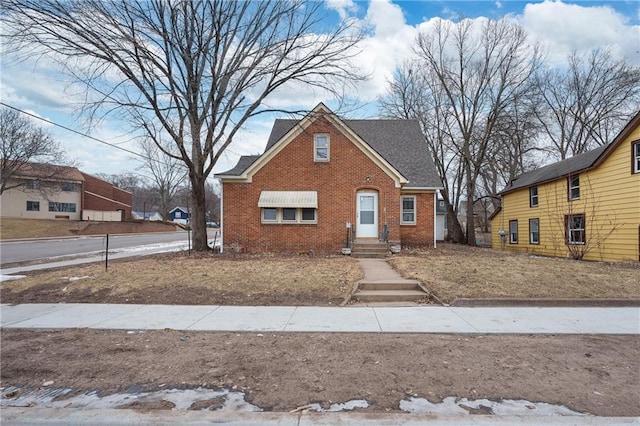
column 435, row 218
column 221, row 216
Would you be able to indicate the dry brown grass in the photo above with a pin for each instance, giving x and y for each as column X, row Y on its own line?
column 37, row 228
column 196, row 279
column 458, row 271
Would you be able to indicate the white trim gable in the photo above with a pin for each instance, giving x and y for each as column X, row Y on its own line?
column 320, row 111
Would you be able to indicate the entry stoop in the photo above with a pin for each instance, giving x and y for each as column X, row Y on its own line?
column 372, row 249
column 384, row 286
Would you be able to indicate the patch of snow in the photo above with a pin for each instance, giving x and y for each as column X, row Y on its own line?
column 79, row 278
column 505, row 407
column 4, row 278
column 183, row 399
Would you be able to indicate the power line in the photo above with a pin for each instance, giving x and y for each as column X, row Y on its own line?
column 80, row 133
column 137, row 154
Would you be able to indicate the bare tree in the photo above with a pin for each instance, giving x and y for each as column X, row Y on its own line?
column 415, row 95
column 23, row 143
column 168, row 174
column 468, row 73
column 585, row 104
column 197, row 69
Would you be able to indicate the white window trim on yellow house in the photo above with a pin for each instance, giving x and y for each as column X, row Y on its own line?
column 608, row 203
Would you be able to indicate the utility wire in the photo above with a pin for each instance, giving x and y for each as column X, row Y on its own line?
column 137, row 154
column 79, row 133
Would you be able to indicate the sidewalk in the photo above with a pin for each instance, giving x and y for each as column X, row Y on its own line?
column 421, row 319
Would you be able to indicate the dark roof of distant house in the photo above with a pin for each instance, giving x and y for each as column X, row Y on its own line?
column 399, row 142
column 184, row 209
column 555, row 170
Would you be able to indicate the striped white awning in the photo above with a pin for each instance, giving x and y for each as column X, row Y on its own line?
column 290, row 199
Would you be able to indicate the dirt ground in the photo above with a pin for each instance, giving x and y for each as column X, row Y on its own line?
column 281, row 372
column 196, row 279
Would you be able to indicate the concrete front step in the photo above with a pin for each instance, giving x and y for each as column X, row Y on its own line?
column 360, row 255
column 408, row 285
column 367, row 296
column 374, row 249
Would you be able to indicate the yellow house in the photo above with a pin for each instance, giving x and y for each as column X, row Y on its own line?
column 584, row 207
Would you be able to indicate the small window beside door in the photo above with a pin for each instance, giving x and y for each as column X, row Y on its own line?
column 408, row 214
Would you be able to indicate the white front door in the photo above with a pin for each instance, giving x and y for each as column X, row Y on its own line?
column 367, row 215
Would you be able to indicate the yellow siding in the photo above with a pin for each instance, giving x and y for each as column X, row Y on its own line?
column 609, row 198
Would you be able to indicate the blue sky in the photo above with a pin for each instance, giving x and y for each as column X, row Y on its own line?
column 37, row 87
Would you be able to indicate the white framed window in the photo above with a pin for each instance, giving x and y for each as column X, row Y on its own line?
column 635, row 157
column 534, row 231
column 269, row 215
column 289, row 215
column 408, row 214
column 513, row 231
column 533, row 196
column 308, row 215
column 321, row 150
column 574, row 187
column 575, row 225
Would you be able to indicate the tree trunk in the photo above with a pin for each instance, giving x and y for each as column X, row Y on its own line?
column 454, row 229
column 471, row 228
column 198, row 215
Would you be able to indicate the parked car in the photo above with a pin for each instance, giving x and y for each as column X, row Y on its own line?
column 212, row 225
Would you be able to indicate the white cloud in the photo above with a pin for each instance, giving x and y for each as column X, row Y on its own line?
column 343, row 7
column 564, row 27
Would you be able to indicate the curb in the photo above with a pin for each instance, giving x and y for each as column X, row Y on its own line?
column 545, row 303
column 66, row 416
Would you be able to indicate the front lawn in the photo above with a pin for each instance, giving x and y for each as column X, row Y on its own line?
column 455, row 271
column 198, row 279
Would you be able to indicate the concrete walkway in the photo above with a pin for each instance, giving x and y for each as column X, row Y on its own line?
column 421, row 319
column 379, row 270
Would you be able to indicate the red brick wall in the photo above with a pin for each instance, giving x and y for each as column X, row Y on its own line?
column 114, row 198
column 420, row 234
column 336, row 182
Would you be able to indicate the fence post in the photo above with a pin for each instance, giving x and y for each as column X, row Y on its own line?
column 106, row 255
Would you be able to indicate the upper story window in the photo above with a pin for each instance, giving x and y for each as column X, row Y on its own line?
column 635, row 157
column 321, row 147
column 408, row 210
column 70, row 187
column 33, row 184
column 533, row 196
column 574, row 187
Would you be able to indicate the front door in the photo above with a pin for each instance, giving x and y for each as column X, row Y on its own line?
column 367, row 215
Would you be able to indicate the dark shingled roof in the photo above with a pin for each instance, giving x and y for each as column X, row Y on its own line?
column 556, row 170
column 399, row 142
column 243, row 163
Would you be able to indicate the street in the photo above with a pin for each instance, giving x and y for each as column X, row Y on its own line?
column 29, row 250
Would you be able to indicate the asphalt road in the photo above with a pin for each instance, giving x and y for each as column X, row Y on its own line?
column 29, row 250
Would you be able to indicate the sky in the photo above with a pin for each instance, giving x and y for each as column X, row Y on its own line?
column 391, row 28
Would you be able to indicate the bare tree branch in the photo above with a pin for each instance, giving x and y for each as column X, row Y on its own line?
column 199, row 69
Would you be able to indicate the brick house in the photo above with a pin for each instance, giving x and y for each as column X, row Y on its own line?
column 46, row 191
column 101, row 196
column 322, row 176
